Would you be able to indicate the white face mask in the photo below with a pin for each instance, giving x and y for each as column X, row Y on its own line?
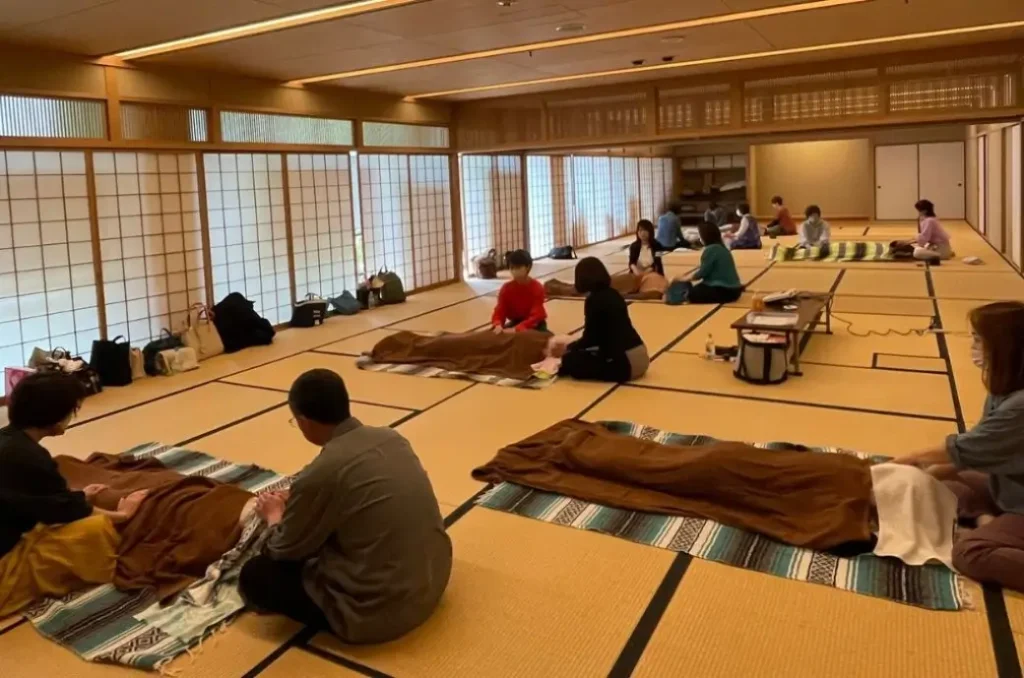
column 977, row 355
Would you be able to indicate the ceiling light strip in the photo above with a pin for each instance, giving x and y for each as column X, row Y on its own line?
column 583, row 39
column 260, row 27
column 907, row 37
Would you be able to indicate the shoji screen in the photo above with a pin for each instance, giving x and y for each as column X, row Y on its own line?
column 565, row 196
column 47, row 280
column 602, row 228
column 492, row 215
column 631, row 191
column 151, row 241
column 620, row 210
column 432, row 219
column 657, row 189
column 584, row 190
column 385, row 206
column 248, row 234
column 323, row 231
column 668, row 178
column 541, row 203
column 648, row 193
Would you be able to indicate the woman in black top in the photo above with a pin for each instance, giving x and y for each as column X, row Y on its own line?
column 610, row 348
column 52, row 540
column 645, row 252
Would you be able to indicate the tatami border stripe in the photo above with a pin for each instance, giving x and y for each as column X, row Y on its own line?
column 649, row 620
column 301, row 637
column 13, row 626
column 342, row 661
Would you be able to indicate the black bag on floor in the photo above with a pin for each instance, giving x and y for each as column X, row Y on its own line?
column 111, row 358
column 562, row 253
column 309, row 312
column 73, row 367
column 392, row 291
column 166, row 342
column 239, row 325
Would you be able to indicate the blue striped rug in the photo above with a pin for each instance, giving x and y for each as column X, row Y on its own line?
column 933, row 587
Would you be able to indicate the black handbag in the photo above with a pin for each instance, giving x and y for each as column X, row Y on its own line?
column 166, row 342
column 562, row 253
column 111, row 359
column 309, row 312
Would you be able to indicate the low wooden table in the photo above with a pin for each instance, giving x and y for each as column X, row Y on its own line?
column 809, row 308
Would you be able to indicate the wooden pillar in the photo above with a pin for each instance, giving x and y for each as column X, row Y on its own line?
column 455, row 181
column 110, row 74
column 97, row 254
column 204, row 225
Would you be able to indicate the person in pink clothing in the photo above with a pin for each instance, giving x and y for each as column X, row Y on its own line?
column 932, row 243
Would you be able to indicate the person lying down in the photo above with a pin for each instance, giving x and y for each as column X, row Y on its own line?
column 644, row 287
column 831, row 502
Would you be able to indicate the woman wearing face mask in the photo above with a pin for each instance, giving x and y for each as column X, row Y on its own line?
column 985, row 466
column 748, row 235
column 645, row 253
column 52, row 540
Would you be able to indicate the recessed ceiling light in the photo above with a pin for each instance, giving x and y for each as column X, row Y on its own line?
column 507, row 3
column 673, row 39
column 732, row 58
column 714, row 20
column 570, row 28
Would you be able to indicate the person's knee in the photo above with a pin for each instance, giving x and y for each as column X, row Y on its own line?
column 971, row 555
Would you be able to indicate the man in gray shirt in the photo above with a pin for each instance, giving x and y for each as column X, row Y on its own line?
column 358, row 545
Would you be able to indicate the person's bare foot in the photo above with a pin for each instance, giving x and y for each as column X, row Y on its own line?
column 984, row 520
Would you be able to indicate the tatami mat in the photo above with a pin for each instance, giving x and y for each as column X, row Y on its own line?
column 883, row 283
column 805, row 280
column 733, row 419
column 171, row 420
column 357, row 345
column 724, row 622
column 883, row 305
column 979, row 285
column 459, row 318
column 371, row 387
column 526, row 599
column 913, row 363
column 270, row 441
column 848, row 345
column 297, row 663
column 877, row 390
column 466, row 431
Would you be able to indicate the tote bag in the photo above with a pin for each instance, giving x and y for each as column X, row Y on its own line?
column 201, row 333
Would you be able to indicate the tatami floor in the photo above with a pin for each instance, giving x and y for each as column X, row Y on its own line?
column 533, row 599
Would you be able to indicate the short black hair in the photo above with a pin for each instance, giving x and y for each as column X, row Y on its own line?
column 591, row 275
column 320, row 395
column 925, row 206
column 645, row 225
column 812, row 209
column 776, row 199
column 744, row 207
column 44, row 399
column 710, row 234
column 519, row 259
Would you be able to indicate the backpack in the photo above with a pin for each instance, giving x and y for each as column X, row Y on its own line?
column 486, row 265
column 677, row 293
column 239, row 325
column 566, row 252
column 391, row 289
column 762, row 359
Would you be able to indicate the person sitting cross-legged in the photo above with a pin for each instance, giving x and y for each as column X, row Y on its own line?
column 358, row 545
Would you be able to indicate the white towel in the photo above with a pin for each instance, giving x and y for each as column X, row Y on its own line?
column 916, row 515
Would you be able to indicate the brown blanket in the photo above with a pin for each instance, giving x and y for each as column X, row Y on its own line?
column 183, row 525
column 650, row 286
column 801, row 498
column 507, row 355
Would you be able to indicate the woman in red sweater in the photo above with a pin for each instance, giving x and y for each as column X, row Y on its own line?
column 521, row 300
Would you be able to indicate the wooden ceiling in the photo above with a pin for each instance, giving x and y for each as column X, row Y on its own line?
column 436, row 28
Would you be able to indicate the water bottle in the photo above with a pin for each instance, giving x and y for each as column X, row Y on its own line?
column 709, row 348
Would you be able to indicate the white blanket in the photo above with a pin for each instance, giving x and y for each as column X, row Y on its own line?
column 916, row 515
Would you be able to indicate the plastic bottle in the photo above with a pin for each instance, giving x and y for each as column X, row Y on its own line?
column 709, row 348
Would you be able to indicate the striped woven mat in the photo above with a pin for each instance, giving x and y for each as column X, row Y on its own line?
column 365, row 362
column 933, row 587
column 848, row 250
column 103, row 624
